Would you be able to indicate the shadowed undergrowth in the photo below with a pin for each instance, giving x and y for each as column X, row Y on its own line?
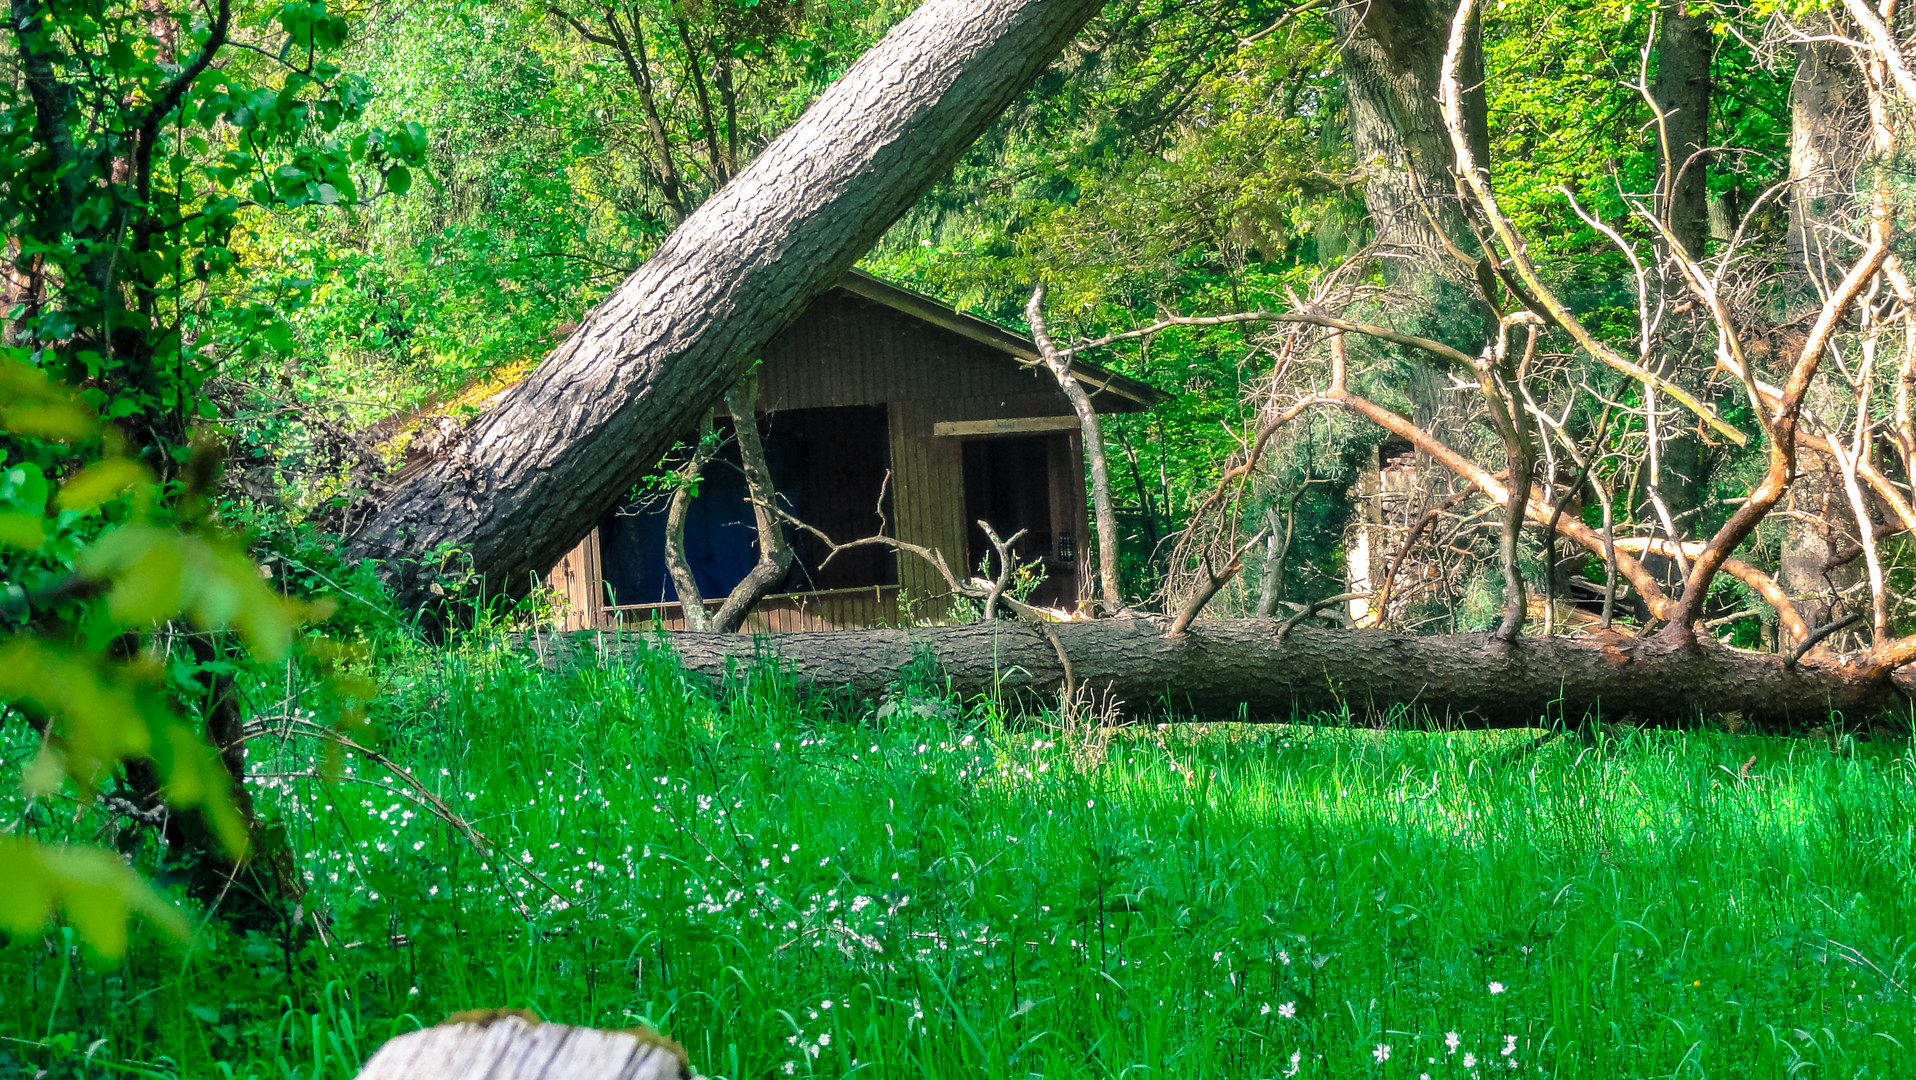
column 940, row 891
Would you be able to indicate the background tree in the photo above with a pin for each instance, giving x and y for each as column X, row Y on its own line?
column 135, row 138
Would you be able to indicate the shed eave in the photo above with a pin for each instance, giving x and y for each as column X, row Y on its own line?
column 1135, row 396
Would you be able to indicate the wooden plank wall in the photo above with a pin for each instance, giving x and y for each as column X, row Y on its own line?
column 576, row 580
column 928, row 495
column 846, row 350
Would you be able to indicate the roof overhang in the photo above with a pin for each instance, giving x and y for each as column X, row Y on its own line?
column 1112, row 392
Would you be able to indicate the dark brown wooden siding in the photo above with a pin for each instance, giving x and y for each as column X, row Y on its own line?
column 846, row 350
column 850, row 351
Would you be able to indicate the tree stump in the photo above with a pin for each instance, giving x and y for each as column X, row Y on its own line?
column 511, row 1044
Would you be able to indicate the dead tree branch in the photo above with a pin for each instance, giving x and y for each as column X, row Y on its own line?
column 774, row 554
column 1104, row 515
column 1213, row 582
column 1007, row 566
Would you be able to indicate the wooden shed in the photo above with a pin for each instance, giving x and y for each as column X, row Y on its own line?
column 881, row 411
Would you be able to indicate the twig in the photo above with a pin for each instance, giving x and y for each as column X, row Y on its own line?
column 929, row 555
column 1312, row 608
column 1410, row 541
column 424, row 796
column 1213, row 583
column 1007, row 565
column 1818, row 635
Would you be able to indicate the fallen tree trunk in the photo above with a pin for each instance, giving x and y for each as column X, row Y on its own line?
column 1244, row 668
column 534, row 475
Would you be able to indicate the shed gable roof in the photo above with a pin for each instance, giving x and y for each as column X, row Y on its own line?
column 1136, row 396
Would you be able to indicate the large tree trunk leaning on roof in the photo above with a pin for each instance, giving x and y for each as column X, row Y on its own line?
column 1227, row 668
column 534, row 475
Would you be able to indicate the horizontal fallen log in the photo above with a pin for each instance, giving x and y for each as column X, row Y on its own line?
column 1249, row 669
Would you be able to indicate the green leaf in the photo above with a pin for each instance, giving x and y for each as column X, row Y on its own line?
column 104, row 712
column 196, row 777
column 94, row 702
column 148, row 588
column 32, row 405
column 24, row 531
column 25, row 485
column 100, row 482
column 95, row 888
column 398, row 180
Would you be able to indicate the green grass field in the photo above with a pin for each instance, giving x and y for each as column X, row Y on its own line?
column 792, row 889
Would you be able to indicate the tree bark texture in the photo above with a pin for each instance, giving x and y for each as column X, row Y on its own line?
column 1250, row 669
column 1392, row 53
column 535, row 473
column 1681, row 89
column 1827, row 107
column 510, row 1044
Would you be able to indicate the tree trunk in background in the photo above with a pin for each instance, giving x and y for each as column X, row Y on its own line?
column 1392, row 52
column 1826, row 106
column 1243, row 669
column 1813, row 534
column 1681, row 90
column 533, row 475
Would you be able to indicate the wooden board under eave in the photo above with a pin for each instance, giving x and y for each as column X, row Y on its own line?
column 928, row 477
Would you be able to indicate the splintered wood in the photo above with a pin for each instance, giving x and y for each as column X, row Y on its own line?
column 509, row 1045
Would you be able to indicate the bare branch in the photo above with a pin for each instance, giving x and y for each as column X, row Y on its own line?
column 1438, row 349
column 1417, row 528
column 1214, row 581
column 774, row 554
column 1106, row 518
column 677, row 566
column 1883, row 46
column 1477, row 179
column 1007, row 565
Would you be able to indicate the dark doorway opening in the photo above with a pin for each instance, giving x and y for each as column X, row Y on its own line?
column 1012, row 482
column 829, row 466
